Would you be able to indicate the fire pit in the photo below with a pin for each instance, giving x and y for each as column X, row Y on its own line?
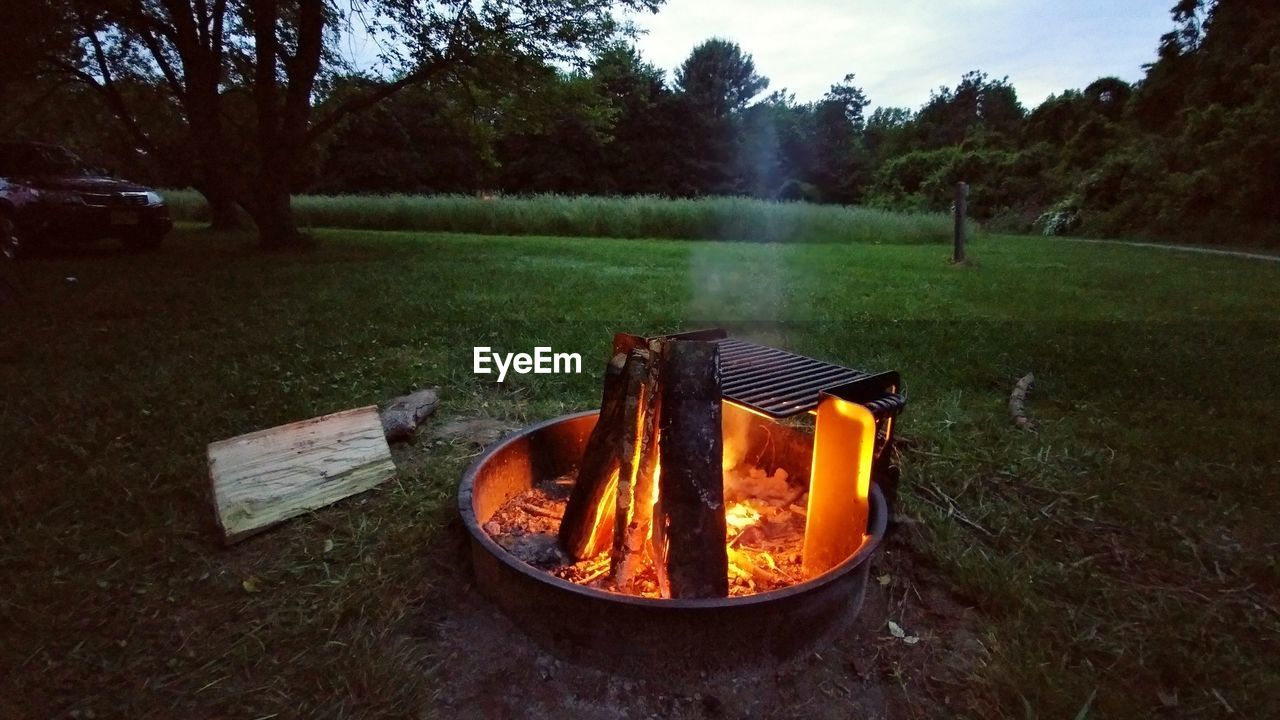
column 802, row 607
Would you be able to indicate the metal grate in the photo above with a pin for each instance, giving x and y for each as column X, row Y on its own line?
column 776, row 382
column 780, row 384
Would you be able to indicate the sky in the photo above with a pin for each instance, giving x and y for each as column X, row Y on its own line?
column 900, row 51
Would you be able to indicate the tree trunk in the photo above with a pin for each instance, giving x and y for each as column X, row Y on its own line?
column 216, row 176
column 224, row 212
column 282, row 116
column 273, row 214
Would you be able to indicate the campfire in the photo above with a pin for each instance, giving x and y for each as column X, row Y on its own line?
column 697, row 481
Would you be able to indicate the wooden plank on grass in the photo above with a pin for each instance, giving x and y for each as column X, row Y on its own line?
column 271, row 475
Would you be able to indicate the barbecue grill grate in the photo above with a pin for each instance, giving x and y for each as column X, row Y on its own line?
column 781, row 384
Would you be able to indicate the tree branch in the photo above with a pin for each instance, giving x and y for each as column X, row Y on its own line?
column 184, row 23
column 368, row 100
column 216, row 40
column 166, row 69
column 23, row 113
column 303, row 67
column 114, row 101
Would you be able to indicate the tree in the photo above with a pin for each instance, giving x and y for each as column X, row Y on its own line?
column 716, row 81
column 840, row 156
column 429, row 138
column 209, row 55
column 719, row 79
column 552, row 135
column 978, row 105
column 762, row 166
column 887, row 133
column 1109, row 97
column 645, row 153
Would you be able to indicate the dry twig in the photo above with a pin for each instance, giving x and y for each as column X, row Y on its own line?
column 1018, row 402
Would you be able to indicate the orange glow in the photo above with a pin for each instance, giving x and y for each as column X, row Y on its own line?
column 838, row 491
column 735, row 428
column 602, row 526
column 834, row 521
column 739, row 516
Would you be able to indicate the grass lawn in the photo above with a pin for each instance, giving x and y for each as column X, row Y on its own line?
column 1127, row 551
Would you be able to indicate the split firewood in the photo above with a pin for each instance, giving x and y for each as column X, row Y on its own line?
column 265, row 477
column 1018, row 402
column 691, row 481
column 636, row 370
column 633, row 541
column 580, row 535
column 587, row 527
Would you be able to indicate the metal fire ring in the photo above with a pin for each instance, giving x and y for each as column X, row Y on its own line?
column 637, row 634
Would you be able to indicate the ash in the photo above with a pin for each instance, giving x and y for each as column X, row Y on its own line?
column 764, row 515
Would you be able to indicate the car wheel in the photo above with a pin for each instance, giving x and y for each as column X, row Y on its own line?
column 8, row 255
column 9, row 242
column 144, row 243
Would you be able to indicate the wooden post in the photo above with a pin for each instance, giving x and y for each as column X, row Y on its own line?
column 962, row 198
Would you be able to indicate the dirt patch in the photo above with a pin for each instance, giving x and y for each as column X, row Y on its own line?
column 479, row 431
column 490, row 669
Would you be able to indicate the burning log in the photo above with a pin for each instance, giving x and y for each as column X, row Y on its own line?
column 691, row 485
column 630, row 546
column 661, row 407
column 583, row 533
column 632, row 421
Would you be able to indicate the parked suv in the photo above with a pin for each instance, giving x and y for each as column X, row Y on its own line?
column 48, row 194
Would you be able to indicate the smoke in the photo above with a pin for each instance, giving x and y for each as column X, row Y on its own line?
column 740, row 287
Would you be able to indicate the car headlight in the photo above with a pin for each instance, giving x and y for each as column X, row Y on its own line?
column 153, row 198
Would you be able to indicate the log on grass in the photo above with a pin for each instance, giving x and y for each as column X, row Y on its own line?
column 691, row 481
column 268, row 476
column 587, row 527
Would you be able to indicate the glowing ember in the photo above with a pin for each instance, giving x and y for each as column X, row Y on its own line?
column 765, row 520
column 738, row 516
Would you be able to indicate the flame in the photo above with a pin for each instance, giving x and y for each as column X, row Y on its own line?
column 739, row 516
column 602, row 524
column 834, row 519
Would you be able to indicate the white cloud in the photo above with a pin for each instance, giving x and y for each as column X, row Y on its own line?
column 901, row 51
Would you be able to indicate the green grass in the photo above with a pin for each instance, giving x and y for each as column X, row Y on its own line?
column 739, row 219
column 1128, row 547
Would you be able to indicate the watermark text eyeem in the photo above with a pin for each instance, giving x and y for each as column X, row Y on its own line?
column 543, row 361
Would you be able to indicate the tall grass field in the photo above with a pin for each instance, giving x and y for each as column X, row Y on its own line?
column 721, row 218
